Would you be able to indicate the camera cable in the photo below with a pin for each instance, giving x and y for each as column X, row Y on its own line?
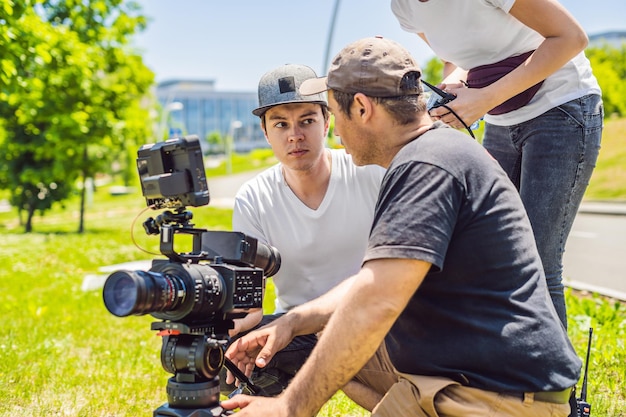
column 244, row 381
column 445, row 106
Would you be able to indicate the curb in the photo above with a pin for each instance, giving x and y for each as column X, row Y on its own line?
column 602, row 207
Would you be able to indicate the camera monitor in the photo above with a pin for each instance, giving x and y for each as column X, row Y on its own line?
column 172, row 173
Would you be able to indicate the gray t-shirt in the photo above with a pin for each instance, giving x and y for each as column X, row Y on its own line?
column 482, row 315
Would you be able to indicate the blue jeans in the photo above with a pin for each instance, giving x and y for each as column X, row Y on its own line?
column 550, row 160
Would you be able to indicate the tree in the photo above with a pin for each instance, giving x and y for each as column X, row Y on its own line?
column 432, row 72
column 216, row 143
column 71, row 99
column 609, row 67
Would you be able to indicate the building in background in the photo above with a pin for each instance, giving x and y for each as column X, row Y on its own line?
column 195, row 107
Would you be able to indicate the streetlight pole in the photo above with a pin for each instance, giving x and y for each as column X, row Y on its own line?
column 329, row 40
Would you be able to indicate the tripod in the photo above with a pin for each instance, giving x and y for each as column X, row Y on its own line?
column 195, row 356
column 195, row 359
column 186, row 399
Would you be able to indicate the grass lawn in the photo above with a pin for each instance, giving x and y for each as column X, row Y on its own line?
column 609, row 178
column 63, row 354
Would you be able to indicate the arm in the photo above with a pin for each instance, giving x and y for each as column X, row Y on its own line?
column 564, row 38
column 253, row 318
column 259, row 346
column 379, row 294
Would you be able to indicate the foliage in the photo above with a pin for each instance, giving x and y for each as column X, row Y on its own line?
column 609, row 67
column 432, row 72
column 71, row 96
column 217, row 145
column 608, row 181
column 606, row 389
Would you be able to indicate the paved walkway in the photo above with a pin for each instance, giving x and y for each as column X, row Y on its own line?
column 604, row 207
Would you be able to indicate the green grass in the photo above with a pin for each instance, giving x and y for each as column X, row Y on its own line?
column 608, row 181
column 607, row 366
column 63, row 354
column 256, row 159
column 609, row 178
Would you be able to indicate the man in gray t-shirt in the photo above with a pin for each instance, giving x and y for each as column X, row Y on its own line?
column 451, row 281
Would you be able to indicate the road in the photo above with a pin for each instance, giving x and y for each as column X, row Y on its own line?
column 223, row 189
column 595, row 254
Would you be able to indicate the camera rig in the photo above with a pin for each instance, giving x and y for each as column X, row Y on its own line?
column 195, row 294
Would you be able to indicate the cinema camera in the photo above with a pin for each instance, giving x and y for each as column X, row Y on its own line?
column 196, row 294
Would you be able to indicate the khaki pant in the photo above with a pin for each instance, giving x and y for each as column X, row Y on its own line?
column 424, row 396
column 378, row 373
column 408, row 395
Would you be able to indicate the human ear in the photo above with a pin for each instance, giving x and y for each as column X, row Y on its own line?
column 363, row 105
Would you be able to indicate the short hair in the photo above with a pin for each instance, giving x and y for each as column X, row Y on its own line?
column 325, row 114
column 404, row 109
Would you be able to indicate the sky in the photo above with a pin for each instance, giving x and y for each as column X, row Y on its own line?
column 234, row 42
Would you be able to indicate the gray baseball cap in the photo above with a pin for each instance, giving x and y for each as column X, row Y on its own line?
column 281, row 86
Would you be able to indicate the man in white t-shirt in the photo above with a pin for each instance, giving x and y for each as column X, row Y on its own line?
column 315, row 206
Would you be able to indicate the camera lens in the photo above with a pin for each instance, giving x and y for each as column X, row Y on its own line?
column 267, row 258
column 141, row 292
column 169, row 291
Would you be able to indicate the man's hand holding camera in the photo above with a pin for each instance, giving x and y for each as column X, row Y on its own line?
column 258, row 347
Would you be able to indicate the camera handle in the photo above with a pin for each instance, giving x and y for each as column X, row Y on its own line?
column 167, row 224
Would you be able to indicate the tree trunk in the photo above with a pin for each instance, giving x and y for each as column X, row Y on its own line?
column 28, row 226
column 83, row 193
column 81, row 224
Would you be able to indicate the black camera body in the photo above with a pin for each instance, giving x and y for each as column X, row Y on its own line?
column 196, row 294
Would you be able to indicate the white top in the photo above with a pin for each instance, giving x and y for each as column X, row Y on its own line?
column 470, row 33
column 318, row 248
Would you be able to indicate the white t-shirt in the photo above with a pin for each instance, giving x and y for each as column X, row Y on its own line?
column 470, row 33
column 318, row 248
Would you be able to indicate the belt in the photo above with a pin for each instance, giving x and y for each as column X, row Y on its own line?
column 555, row 397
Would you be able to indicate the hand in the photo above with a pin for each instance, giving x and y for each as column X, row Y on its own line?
column 258, row 347
column 470, row 105
column 256, row 406
column 251, row 319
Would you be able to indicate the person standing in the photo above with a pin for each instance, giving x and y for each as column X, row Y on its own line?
column 528, row 75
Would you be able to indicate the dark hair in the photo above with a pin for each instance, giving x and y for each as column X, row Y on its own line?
column 325, row 114
column 404, row 109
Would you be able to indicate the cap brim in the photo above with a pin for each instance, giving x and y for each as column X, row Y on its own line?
column 313, row 86
column 261, row 110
